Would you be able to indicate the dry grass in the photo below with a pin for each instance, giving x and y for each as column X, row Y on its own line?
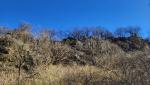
column 60, row 75
column 7, row 78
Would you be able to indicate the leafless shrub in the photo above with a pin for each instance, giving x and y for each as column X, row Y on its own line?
column 134, row 69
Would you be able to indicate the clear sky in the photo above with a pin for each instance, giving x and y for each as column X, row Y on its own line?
column 66, row 14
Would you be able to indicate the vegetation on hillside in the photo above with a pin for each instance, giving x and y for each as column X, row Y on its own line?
column 88, row 56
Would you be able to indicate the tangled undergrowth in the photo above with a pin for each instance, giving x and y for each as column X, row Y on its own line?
column 85, row 57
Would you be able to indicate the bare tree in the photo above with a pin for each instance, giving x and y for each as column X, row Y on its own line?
column 4, row 30
column 47, row 34
column 107, row 34
column 23, row 32
column 77, row 34
column 134, row 31
column 101, row 33
column 98, row 33
column 121, row 32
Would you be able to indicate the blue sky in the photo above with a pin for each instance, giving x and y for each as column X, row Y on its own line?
column 66, row 14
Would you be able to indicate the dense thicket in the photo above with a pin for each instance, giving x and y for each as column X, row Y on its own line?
column 125, row 50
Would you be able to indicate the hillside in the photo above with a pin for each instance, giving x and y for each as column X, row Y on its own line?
column 92, row 56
